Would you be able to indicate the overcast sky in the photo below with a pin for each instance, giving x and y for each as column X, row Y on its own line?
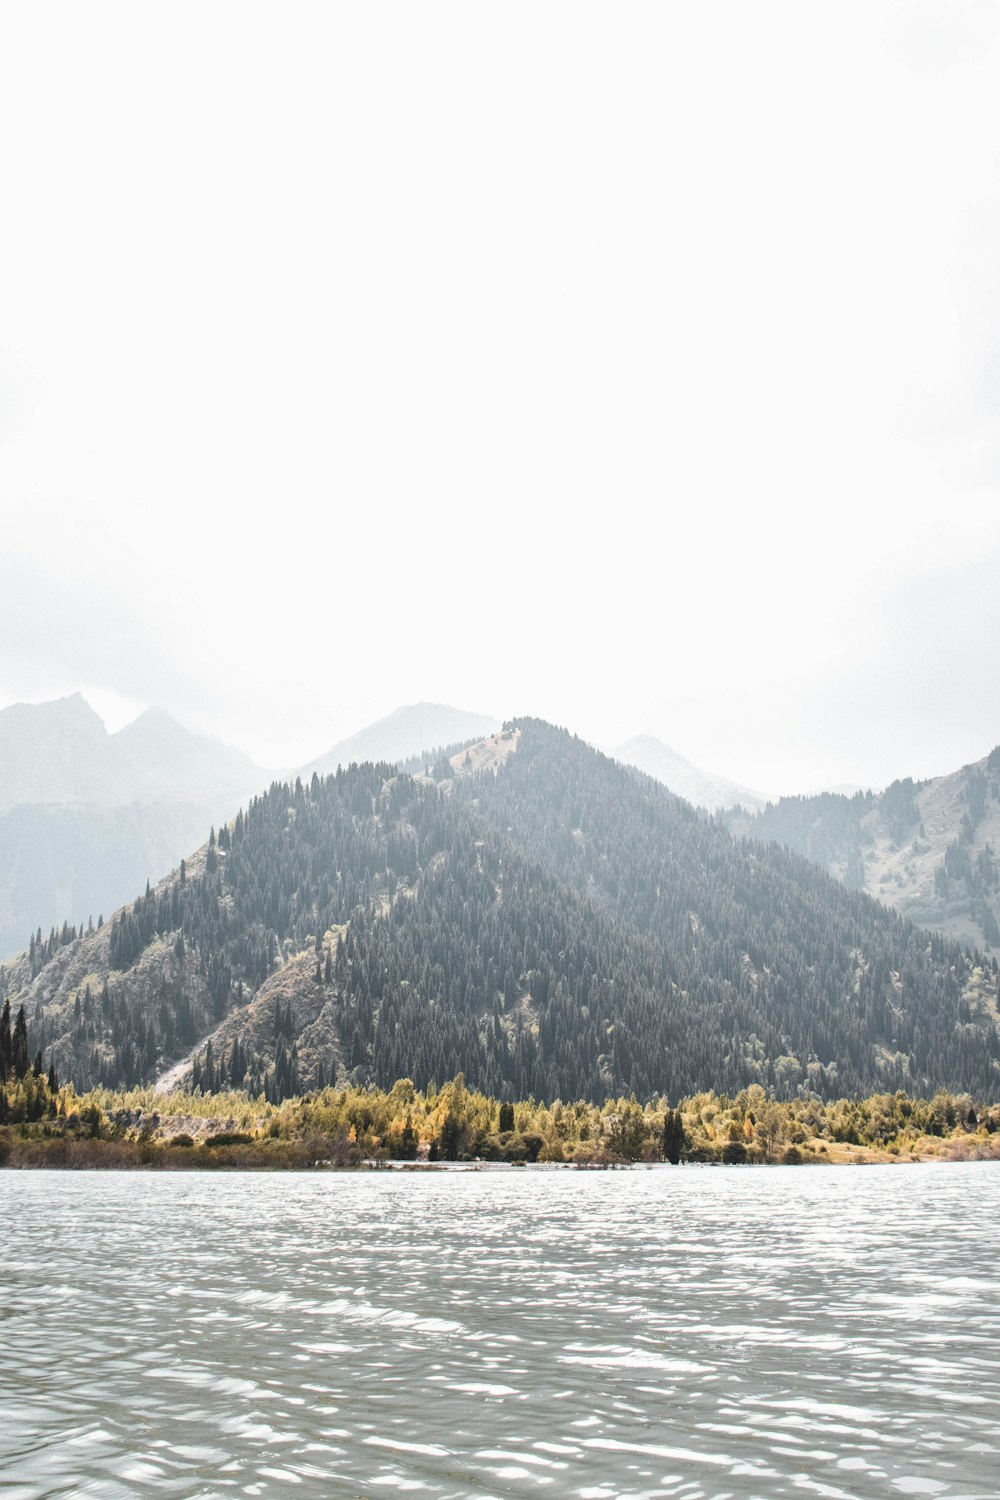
column 634, row 366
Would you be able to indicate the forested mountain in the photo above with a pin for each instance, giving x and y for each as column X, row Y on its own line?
column 931, row 849
column 701, row 788
column 87, row 816
column 542, row 919
column 403, row 735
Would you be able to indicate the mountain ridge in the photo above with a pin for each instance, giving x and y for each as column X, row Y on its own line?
column 404, row 733
column 86, row 817
column 701, row 788
column 930, row 849
column 60, row 753
column 552, row 924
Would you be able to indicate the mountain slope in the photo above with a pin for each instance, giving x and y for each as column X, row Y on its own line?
column 403, row 734
column 185, row 766
column 71, row 863
column 553, row 924
column 86, row 816
column 60, row 752
column 930, row 849
column 701, row 788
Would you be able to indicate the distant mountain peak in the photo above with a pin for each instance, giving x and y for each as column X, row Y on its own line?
column 60, row 753
column 702, row 788
column 184, row 762
column 151, row 715
column 85, row 815
column 409, row 730
column 156, row 722
column 74, row 708
column 55, row 752
column 563, row 926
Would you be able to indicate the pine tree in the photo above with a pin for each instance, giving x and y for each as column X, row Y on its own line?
column 673, row 1139
column 6, row 1044
column 19, row 1050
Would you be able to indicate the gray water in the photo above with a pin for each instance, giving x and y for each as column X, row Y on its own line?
column 680, row 1332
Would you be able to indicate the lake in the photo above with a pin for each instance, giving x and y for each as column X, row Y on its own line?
column 690, row 1332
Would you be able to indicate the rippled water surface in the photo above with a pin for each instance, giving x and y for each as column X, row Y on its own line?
column 684, row 1332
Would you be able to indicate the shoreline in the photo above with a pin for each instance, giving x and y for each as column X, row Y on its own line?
column 133, row 1156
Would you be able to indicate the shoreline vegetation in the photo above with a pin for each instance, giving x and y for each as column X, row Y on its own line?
column 45, row 1125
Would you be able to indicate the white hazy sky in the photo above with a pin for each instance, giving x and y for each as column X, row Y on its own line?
column 634, row 366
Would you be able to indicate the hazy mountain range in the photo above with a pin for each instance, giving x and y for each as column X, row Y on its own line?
column 405, row 733
column 700, row 788
column 60, row 752
column 87, row 817
column 931, row 849
column 540, row 918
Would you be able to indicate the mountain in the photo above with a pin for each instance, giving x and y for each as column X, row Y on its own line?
column 931, row 849
column 701, row 788
column 60, row 752
column 404, row 735
column 87, row 816
column 542, row 919
column 185, row 766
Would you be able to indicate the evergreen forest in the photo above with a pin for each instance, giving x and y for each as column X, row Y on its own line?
column 552, row 926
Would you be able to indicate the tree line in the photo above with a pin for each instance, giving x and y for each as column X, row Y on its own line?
column 344, row 1127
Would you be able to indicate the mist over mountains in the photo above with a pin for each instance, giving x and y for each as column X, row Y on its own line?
column 87, row 817
column 540, row 918
column 681, row 776
column 405, row 733
column 60, row 753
